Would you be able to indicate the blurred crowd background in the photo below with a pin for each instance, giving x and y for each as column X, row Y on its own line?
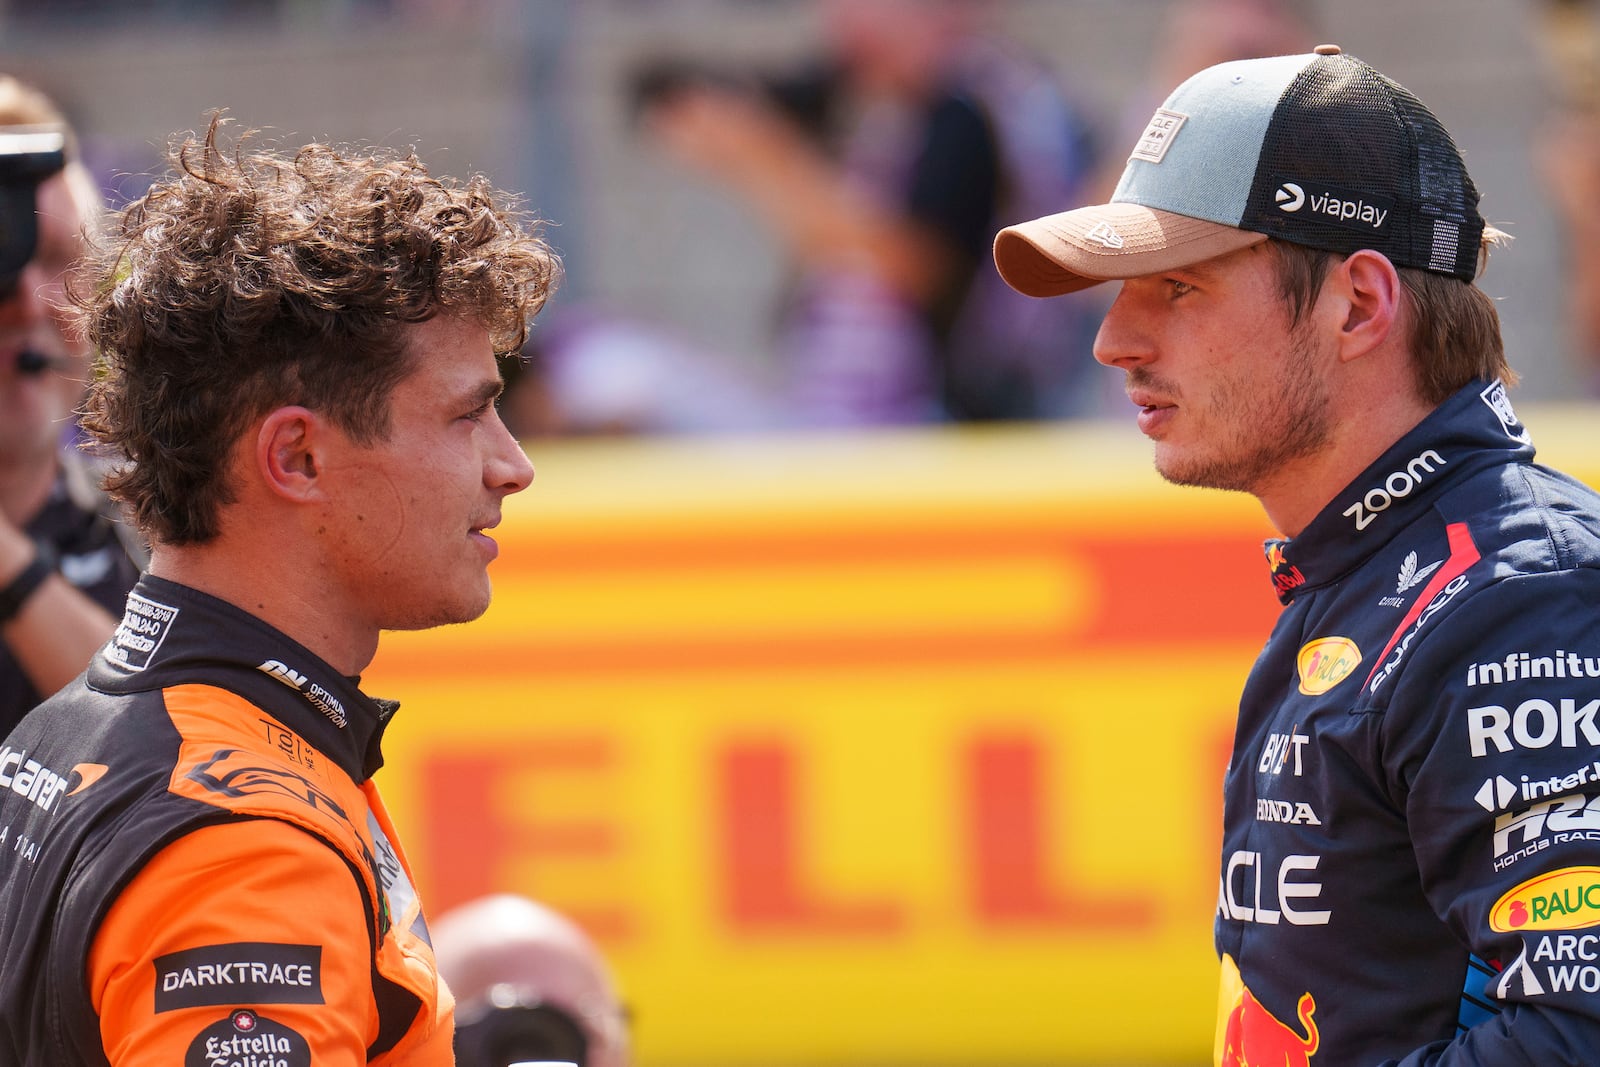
column 775, row 213
column 775, row 216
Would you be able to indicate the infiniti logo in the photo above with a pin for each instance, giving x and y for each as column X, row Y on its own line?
column 1290, row 197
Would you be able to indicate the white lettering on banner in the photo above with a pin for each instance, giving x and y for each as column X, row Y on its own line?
column 30, row 779
column 315, row 694
column 1521, row 665
column 225, row 1050
column 145, row 624
column 1397, row 486
column 1520, row 834
column 1444, row 596
column 1298, row 813
column 1534, row 724
column 213, row 974
column 1289, row 889
column 1568, row 966
column 1277, row 750
column 1568, row 947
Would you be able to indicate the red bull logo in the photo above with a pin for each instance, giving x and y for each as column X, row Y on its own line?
column 1249, row 1035
column 1255, row 1038
column 1285, row 575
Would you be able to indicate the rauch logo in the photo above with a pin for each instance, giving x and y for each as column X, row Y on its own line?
column 1568, row 899
column 1326, row 662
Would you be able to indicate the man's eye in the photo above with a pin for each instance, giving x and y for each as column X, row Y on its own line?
column 1179, row 288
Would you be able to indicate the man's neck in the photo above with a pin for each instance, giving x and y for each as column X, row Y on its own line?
column 294, row 608
column 1299, row 492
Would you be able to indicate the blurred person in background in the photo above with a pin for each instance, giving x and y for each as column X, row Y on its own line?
column 297, row 370
column 883, row 168
column 1409, row 822
column 528, row 985
column 1197, row 34
column 66, row 562
column 1567, row 150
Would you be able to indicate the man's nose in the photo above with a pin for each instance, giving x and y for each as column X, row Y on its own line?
column 509, row 468
column 1123, row 339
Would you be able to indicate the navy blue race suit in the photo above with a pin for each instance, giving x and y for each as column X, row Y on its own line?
column 1411, row 845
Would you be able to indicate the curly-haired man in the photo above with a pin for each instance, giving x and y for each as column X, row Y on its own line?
column 299, row 370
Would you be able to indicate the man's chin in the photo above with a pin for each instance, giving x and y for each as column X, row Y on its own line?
column 1198, row 473
column 449, row 613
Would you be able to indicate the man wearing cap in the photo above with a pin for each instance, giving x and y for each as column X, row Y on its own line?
column 66, row 563
column 1410, row 868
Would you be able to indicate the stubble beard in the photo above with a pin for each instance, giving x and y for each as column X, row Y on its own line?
column 1262, row 430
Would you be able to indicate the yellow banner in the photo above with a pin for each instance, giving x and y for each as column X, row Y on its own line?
column 897, row 748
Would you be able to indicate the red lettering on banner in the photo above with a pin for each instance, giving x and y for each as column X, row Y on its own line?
column 1009, row 840
column 762, row 881
column 472, row 834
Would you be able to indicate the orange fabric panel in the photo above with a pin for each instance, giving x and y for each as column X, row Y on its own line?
column 234, row 884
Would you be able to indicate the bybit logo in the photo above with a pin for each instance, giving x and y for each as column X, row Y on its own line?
column 1290, row 197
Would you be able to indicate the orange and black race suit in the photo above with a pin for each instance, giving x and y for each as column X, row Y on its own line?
column 195, row 866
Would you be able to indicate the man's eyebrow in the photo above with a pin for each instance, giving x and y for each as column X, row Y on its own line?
column 487, row 390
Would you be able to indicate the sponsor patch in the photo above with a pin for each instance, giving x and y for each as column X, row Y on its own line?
column 1397, row 486
column 1286, row 577
column 1330, row 204
column 1326, row 662
column 1498, row 402
column 32, row 780
column 319, row 697
column 1518, row 666
column 1564, row 820
column 246, row 1039
column 145, row 624
column 1568, row 899
column 242, row 972
column 1158, row 134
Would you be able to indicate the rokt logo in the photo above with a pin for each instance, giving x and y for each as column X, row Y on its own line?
column 1290, row 197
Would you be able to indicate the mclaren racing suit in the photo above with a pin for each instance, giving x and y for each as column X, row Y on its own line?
column 195, row 867
column 1411, row 844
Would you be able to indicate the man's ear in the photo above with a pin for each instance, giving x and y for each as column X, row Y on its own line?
column 288, row 457
column 1367, row 291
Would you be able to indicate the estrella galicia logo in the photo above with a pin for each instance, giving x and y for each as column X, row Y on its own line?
column 248, row 1039
column 242, row 972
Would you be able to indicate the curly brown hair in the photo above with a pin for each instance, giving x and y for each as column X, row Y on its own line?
column 248, row 281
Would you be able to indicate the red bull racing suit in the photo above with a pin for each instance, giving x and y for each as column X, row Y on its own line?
column 195, row 866
column 1411, row 845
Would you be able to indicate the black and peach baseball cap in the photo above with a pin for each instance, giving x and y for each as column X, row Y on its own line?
column 1317, row 149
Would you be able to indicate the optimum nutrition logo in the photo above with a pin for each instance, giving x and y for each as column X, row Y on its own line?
column 1351, row 210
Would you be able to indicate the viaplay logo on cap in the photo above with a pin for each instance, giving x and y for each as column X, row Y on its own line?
column 1356, row 211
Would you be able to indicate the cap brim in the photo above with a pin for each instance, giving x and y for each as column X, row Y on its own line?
column 1076, row 249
